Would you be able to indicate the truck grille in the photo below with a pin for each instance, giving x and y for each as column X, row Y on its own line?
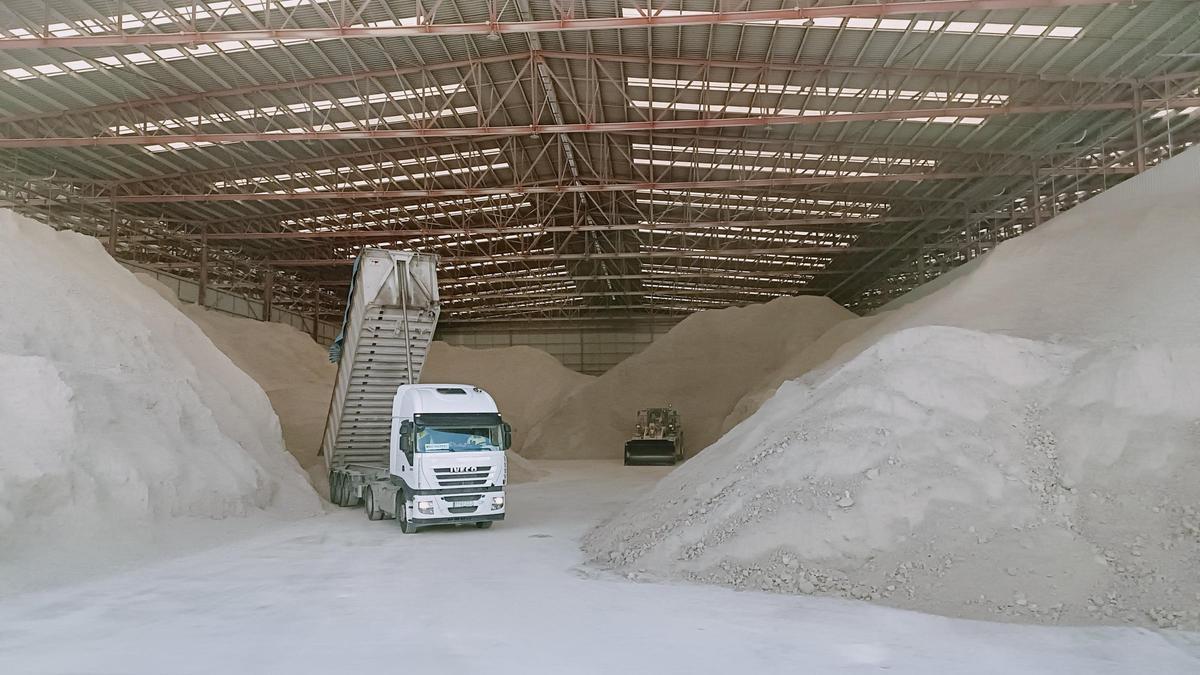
column 461, row 498
column 462, row 509
column 448, row 479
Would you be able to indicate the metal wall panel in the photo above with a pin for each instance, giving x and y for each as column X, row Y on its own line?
column 188, row 290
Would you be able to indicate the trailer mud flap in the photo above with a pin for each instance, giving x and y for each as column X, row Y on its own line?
column 650, row 451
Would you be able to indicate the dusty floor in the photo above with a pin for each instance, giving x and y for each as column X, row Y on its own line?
column 342, row 594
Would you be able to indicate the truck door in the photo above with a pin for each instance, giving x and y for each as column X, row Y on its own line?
column 403, row 456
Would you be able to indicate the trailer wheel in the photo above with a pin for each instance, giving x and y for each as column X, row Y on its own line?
column 373, row 513
column 406, row 525
column 335, row 487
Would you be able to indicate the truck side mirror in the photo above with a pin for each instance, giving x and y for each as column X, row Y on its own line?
column 506, row 435
column 406, row 440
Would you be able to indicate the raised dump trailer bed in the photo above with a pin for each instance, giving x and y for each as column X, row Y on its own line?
column 390, row 317
column 423, row 454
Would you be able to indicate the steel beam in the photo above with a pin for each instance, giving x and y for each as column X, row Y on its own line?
column 534, row 228
column 536, row 129
column 791, row 66
column 253, row 89
column 452, row 303
column 558, row 25
column 583, row 128
column 815, row 251
column 438, row 193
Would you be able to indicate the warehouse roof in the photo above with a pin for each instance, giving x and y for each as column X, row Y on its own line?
column 583, row 159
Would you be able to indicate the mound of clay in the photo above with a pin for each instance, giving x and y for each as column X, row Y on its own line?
column 526, row 382
column 118, row 414
column 798, row 360
column 702, row 367
column 1020, row 443
column 292, row 369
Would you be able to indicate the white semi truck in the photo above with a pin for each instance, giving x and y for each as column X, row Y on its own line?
column 424, row 454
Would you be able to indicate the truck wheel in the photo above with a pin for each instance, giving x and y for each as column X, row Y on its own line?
column 335, row 488
column 406, row 525
column 373, row 513
column 484, row 525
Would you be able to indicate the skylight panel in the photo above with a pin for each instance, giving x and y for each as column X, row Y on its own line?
column 710, row 288
column 174, row 16
column 777, row 236
column 787, row 205
column 726, row 166
column 812, row 90
column 723, row 272
column 369, row 166
column 399, row 215
column 300, row 108
column 779, row 259
column 336, row 126
column 758, row 111
column 181, row 16
column 399, row 178
column 703, row 205
column 900, row 25
column 743, row 154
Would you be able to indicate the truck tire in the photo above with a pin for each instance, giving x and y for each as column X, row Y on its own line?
column 373, row 512
column 406, row 525
column 335, row 487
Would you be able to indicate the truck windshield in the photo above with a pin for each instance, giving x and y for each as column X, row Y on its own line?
column 440, row 438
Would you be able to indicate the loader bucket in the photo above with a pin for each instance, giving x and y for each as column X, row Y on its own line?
column 650, row 451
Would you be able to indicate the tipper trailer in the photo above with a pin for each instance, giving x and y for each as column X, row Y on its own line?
column 424, row 454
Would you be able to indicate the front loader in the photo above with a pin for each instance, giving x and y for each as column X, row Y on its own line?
column 658, row 438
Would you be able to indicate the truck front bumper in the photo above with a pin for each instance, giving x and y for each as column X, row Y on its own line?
column 460, row 520
column 457, row 508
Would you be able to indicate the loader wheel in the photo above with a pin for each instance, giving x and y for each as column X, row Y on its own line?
column 406, row 525
column 373, row 513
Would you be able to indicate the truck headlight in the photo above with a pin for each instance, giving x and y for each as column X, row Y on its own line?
column 497, row 503
column 425, row 506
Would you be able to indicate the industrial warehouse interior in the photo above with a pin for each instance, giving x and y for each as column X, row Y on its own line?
column 582, row 336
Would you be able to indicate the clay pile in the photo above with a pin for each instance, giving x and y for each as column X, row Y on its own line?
column 1018, row 444
column 292, row 369
column 703, row 367
column 526, row 383
column 118, row 416
column 296, row 374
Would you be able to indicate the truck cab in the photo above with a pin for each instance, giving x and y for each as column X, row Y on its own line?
column 447, row 458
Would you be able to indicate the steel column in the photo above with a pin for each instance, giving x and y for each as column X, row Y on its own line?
column 112, row 231
column 202, row 290
column 316, row 316
column 268, row 293
column 1139, row 140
